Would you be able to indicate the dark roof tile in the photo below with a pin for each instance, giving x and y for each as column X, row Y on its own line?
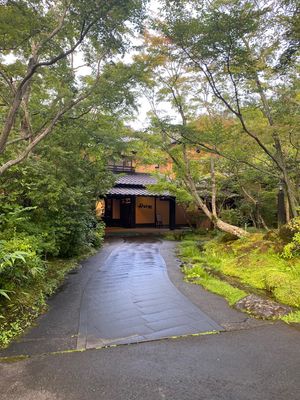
column 136, row 179
column 128, row 191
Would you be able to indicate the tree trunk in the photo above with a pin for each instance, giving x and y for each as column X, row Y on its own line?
column 228, row 228
column 254, row 220
column 257, row 217
column 287, row 208
column 213, row 187
column 285, row 177
column 263, row 222
column 13, row 111
column 279, row 152
column 217, row 222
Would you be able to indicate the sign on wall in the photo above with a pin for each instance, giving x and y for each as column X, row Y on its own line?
column 145, row 210
column 141, row 205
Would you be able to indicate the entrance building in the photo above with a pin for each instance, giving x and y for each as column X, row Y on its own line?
column 129, row 204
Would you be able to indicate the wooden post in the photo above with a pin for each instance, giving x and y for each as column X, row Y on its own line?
column 172, row 213
column 132, row 211
column 155, row 220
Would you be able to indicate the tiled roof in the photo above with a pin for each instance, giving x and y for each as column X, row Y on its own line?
column 136, row 179
column 128, row 191
column 133, row 184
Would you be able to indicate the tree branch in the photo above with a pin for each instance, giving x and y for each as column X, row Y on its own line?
column 46, row 131
column 208, row 74
column 8, row 81
column 56, row 30
column 213, row 187
column 33, row 65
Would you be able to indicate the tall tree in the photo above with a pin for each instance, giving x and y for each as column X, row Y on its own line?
column 235, row 45
column 166, row 81
column 38, row 79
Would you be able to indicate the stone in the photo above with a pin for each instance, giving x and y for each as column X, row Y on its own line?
column 262, row 308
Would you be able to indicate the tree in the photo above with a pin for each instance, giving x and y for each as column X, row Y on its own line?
column 41, row 85
column 164, row 80
column 50, row 200
column 235, row 46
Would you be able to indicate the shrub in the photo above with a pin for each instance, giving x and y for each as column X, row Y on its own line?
column 232, row 216
column 292, row 249
column 97, row 234
column 19, row 264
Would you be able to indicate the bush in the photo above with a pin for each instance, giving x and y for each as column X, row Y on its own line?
column 97, row 235
column 292, row 249
column 19, row 264
column 232, row 216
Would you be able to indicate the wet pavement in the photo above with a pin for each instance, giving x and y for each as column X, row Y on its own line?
column 130, row 299
column 123, row 294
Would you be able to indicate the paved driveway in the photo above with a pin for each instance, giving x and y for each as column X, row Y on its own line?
column 131, row 299
column 123, row 294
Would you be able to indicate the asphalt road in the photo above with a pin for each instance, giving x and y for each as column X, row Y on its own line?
column 249, row 359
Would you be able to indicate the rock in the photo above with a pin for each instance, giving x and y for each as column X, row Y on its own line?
column 262, row 308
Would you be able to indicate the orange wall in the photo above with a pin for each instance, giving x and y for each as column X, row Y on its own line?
column 151, row 168
column 162, row 208
column 145, row 210
column 180, row 215
column 116, row 209
column 100, row 206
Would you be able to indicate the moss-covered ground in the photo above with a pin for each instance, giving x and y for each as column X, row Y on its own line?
column 255, row 261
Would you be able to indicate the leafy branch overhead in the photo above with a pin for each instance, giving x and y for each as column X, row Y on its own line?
column 41, row 80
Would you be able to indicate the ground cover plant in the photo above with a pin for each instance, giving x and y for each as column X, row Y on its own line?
column 258, row 262
column 25, row 300
column 190, row 252
column 27, row 280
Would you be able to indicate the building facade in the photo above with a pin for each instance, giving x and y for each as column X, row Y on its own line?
column 129, row 204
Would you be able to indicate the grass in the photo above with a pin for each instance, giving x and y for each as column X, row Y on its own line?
column 254, row 261
column 199, row 276
column 190, row 251
column 293, row 317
